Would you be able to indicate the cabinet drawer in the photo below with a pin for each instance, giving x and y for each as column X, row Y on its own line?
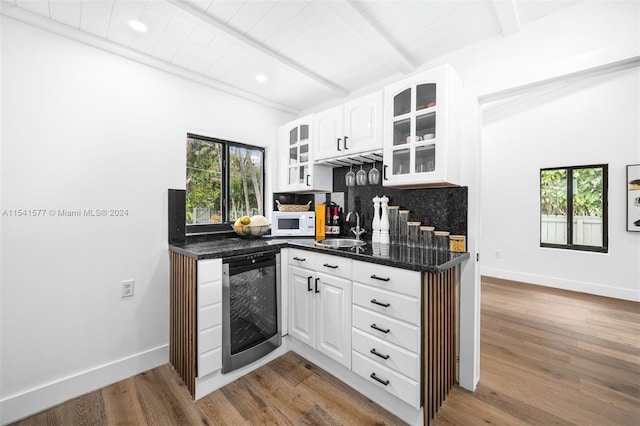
column 391, row 356
column 209, row 293
column 209, row 339
column 395, row 383
column 333, row 265
column 396, row 332
column 402, row 307
column 302, row 258
column 393, row 279
column 209, row 362
column 209, row 270
column 209, row 316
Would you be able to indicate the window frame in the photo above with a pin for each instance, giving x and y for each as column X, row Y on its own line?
column 605, row 210
column 225, row 225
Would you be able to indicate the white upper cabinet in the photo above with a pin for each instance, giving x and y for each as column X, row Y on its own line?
column 297, row 171
column 421, row 137
column 351, row 128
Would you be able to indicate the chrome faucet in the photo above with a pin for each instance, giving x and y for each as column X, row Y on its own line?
column 356, row 231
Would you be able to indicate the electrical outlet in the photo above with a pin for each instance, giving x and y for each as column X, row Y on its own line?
column 498, row 254
column 127, row 288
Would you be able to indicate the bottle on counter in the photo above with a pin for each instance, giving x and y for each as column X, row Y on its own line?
column 413, row 234
column 403, row 218
column 426, row 237
column 335, row 223
column 392, row 211
column 328, row 229
column 441, row 240
column 384, row 220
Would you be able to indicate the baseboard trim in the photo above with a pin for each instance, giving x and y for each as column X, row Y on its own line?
column 18, row 406
column 576, row 286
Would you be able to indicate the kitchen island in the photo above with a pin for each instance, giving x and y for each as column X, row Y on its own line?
column 430, row 281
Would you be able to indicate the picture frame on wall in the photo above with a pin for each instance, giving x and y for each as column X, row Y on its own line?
column 633, row 198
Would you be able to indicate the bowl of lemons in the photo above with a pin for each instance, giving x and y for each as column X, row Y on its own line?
column 251, row 226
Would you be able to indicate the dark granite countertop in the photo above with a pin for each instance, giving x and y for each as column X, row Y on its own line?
column 415, row 259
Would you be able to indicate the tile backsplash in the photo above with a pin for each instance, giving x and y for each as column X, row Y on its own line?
column 443, row 208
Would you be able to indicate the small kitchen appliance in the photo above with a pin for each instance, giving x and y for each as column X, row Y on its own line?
column 293, row 224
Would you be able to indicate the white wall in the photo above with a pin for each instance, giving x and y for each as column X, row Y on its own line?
column 593, row 121
column 85, row 129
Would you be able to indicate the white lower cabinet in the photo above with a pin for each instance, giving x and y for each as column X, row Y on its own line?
column 386, row 333
column 364, row 315
column 320, row 304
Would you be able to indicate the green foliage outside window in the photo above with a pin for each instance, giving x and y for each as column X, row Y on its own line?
column 587, row 192
column 206, row 178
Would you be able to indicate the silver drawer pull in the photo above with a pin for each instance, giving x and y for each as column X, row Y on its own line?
column 330, row 266
column 299, row 259
column 374, row 377
column 373, row 351
column 384, row 305
column 375, row 277
column 375, row 327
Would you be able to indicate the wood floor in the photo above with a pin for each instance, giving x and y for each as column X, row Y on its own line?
column 548, row 357
column 552, row 357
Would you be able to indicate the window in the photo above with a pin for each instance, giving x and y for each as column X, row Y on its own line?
column 225, row 180
column 579, row 193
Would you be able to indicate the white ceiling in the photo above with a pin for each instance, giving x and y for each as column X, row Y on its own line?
column 311, row 51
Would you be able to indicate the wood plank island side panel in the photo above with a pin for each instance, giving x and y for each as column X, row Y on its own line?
column 439, row 339
column 182, row 317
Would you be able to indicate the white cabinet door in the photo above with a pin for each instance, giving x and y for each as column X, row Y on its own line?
column 418, row 147
column 329, row 133
column 363, row 124
column 351, row 128
column 301, row 305
column 297, row 171
column 333, row 317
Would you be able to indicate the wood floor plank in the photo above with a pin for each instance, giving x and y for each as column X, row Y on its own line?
column 121, row 404
column 217, row 410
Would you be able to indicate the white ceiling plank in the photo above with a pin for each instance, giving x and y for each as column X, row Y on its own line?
column 41, row 7
column 172, row 39
column 256, row 48
column 507, row 15
column 95, row 17
column 227, row 62
column 156, row 17
column 193, row 47
column 250, row 14
column 275, row 19
column 66, row 11
column 223, row 10
column 119, row 30
column 217, row 48
column 354, row 18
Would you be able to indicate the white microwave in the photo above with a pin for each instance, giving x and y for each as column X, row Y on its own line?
column 293, row 224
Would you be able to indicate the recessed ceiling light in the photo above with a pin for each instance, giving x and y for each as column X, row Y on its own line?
column 261, row 78
column 138, row 26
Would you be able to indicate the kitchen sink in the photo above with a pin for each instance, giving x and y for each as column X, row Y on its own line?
column 340, row 242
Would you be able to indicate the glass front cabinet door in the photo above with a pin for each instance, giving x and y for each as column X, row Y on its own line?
column 419, row 143
column 296, row 159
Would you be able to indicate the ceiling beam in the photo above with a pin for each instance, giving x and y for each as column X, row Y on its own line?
column 507, row 15
column 349, row 13
column 221, row 29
